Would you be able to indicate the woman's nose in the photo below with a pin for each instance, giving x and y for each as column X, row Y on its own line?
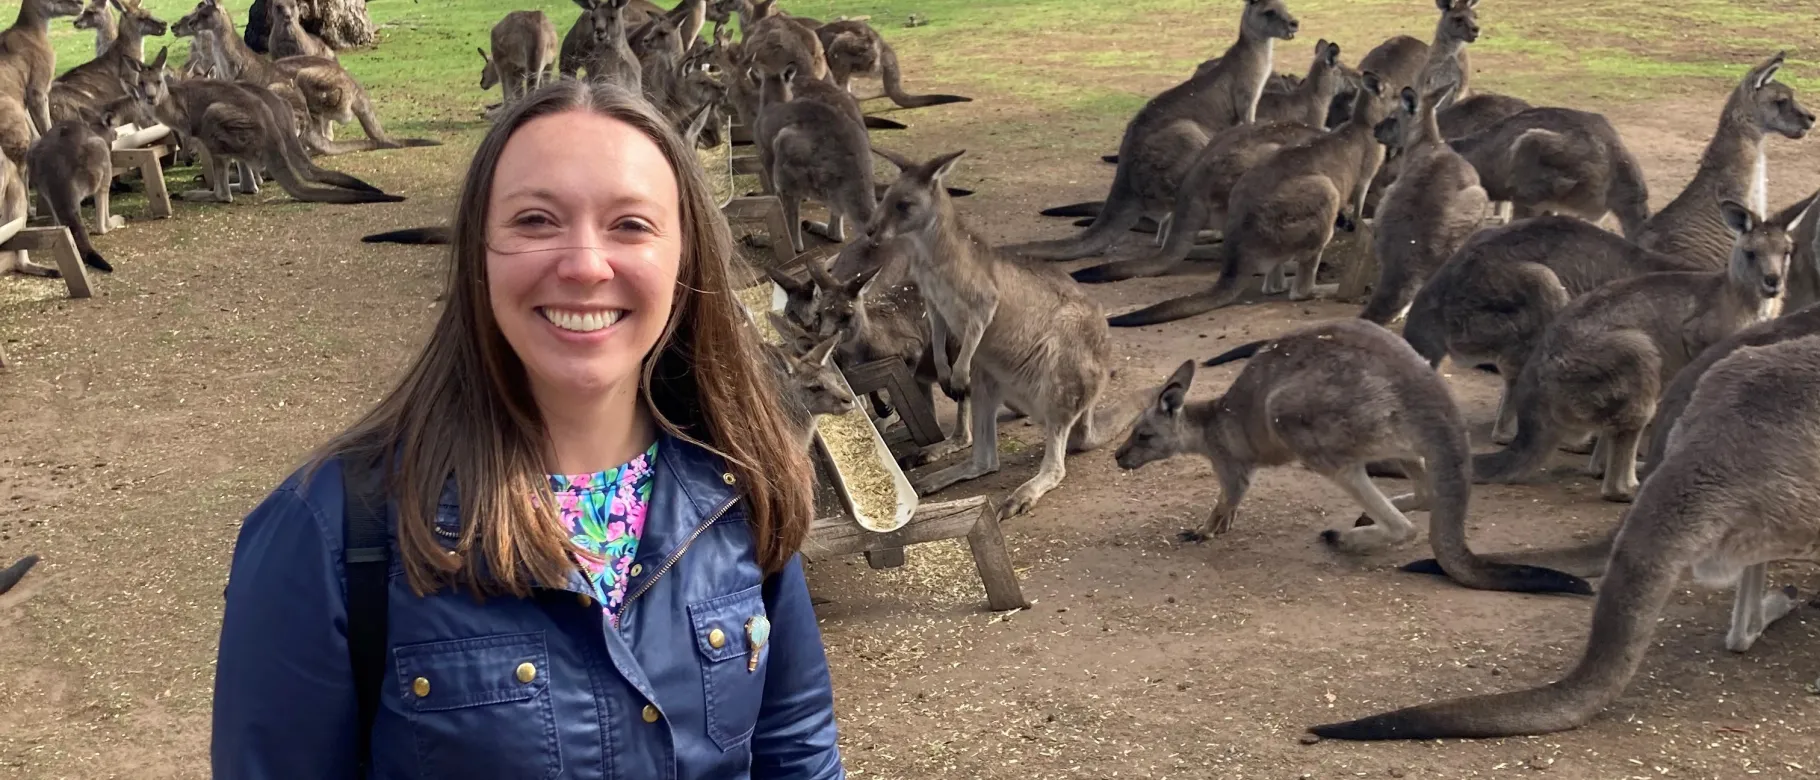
column 589, row 263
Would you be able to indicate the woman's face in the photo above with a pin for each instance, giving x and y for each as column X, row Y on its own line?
column 583, row 244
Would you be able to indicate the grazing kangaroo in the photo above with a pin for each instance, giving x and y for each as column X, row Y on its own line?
column 809, row 149
column 1603, row 361
column 1284, row 211
column 1448, row 62
column 95, row 17
column 1493, row 299
column 854, row 48
column 1703, row 511
column 85, row 89
column 1334, row 396
column 288, row 38
column 1733, row 166
column 73, row 162
column 1560, row 161
column 1166, row 133
column 1027, row 335
column 13, row 208
column 245, row 123
column 1427, row 214
column 524, row 55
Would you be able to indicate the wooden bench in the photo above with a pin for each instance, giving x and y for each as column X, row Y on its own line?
column 145, row 161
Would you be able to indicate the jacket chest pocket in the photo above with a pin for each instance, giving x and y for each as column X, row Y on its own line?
column 724, row 631
column 480, row 707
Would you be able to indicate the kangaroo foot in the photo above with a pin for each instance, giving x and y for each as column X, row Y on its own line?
column 114, row 221
column 202, row 196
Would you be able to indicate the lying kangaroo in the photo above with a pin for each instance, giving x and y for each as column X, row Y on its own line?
column 73, row 162
column 1332, row 397
column 1026, row 335
column 1560, row 161
column 95, row 17
column 81, row 91
column 1167, row 132
column 288, row 38
column 242, row 122
column 1733, row 166
column 854, row 48
column 1284, row 212
column 809, row 149
column 1436, row 203
column 524, row 55
column 1702, row 512
column 1603, row 361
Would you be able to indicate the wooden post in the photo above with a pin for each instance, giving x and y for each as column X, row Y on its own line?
column 1361, row 268
column 57, row 240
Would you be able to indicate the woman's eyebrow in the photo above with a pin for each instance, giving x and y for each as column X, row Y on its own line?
column 545, row 194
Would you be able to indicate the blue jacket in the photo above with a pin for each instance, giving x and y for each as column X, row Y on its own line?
column 666, row 697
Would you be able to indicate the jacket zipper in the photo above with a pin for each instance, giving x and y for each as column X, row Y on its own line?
column 670, row 563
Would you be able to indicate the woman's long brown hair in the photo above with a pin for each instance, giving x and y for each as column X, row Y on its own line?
column 464, row 408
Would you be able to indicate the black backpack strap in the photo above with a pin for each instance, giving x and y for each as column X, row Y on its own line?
column 367, row 560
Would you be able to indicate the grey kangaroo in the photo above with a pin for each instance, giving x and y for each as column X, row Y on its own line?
column 853, row 47
column 813, row 388
column 1332, row 397
column 1733, row 166
column 1166, row 133
column 1603, row 361
column 1561, row 161
column 809, row 149
column 1284, row 212
column 524, row 55
column 1432, row 208
column 1701, row 511
column 610, row 56
column 72, row 162
column 1448, row 62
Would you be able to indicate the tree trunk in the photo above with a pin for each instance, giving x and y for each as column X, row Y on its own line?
column 342, row 24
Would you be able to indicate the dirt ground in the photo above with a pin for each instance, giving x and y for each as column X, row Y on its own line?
column 137, row 428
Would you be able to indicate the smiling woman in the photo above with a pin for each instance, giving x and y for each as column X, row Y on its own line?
column 590, row 441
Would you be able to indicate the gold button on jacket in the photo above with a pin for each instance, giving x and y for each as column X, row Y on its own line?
column 717, row 639
column 526, row 672
column 650, row 713
column 421, row 687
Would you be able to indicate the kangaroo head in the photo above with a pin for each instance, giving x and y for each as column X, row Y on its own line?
column 774, row 87
column 204, row 17
column 843, row 307
column 1265, row 19
column 914, row 204
column 93, row 16
column 813, row 378
column 148, row 84
column 1760, row 249
column 283, row 11
column 1459, row 20
column 1769, row 105
column 799, row 298
column 797, row 338
column 609, row 22
column 657, row 36
column 721, row 11
column 1161, row 431
column 56, row 8
column 141, row 19
column 1370, row 104
column 489, row 75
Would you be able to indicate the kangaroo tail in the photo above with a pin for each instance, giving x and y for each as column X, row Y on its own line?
column 1449, row 457
column 1224, row 291
column 279, row 164
column 1089, row 208
column 1581, row 560
column 66, row 206
column 894, row 85
column 1240, row 352
column 1111, row 158
column 1189, row 216
column 874, row 122
column 422, row 235
column 1119, row 214
column 1536, row 434
column 1644, row 569
column 294, row 152
column 11, row 575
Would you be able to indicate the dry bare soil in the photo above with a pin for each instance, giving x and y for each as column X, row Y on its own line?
column 136, row 428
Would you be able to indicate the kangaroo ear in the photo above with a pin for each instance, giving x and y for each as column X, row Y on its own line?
column 858, row 284
column 1409, row 100
column 1175, row 391
column 903, row 163
column 1761, row 75
column 789, row 73
column 1333, row 55
column 1372, row 82
column 818, row 356
column 158, row 62
column 1444, row 5
column 1737, row 216
column 940, row 167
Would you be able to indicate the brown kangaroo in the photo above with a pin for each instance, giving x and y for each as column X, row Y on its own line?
column 809, row 149
column 1561, row 161
column 95, row 17
column 288, row 38
column 27, row 66
column 524, row 55
column 854, row 48
column 73, row 162
column 84, row 89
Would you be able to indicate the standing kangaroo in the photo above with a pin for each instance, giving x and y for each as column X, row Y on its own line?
column 27, row 65
column 95, row 17
column 610, row 56
column 852, row 48
column 1427, row 214
column 73, row 162
column 1334, row 396
column 288, row 38
column 82, row 91
column 1448, row 62
column 524, row 55
column 1603, row 361
column 1027, row 335
column 1733, row 166
column 1703, row 511
column 809, row 149
column 1164, row 136
column 1284, row 211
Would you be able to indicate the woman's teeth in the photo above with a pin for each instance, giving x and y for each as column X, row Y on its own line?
column 581, row 321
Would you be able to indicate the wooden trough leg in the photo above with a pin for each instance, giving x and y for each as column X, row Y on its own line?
column 146, row 162
column 58, row 241
column 993, row 560
column 974, row 518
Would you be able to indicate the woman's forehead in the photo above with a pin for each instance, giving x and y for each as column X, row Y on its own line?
column 584, row 155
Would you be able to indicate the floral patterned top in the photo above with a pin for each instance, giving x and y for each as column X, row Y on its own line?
column 605, row 513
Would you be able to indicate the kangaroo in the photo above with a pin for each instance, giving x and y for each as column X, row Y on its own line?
column 813, row 387
column 659, row 47
column 1493, row 299
column 1434, row 206
column 1284, row 211
column 74, row 161
column 95, row 17
column 700, row 89
column 1458, row 120
column 1167, row 132
column 775, row 40
column 13, row 208
column 1332, row 397
column 288, row 38
column 524, row 55
column 235, row 122
column 1700, row 512
column 1602, row 362
column 1804, row 267
column 1447, row 58
column 854, row 48
column 1027, row 335
column 610, row 57
column 27, row 65
column 1562, row 161
column 809, row 149
column 578, row 42
column 1732, row 166
column 84, row 89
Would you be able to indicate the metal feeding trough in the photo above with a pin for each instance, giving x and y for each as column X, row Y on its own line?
column 905, row 496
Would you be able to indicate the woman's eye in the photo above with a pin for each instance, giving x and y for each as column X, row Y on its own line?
column 635, row 224
column 533, row 220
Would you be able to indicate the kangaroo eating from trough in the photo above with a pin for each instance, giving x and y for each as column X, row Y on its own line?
column 1702, row 512
column 72, row 162
column 809, row 149
column 1284, row 211
column 1162, row 139
column 1027, row 335
column 1733, row 166
column 854, row 48
column 811, row 386
column 1602, row 363
column 1334, row 396
column 524, row 55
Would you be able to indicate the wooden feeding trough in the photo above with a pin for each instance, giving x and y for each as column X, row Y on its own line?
column 846, row 524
